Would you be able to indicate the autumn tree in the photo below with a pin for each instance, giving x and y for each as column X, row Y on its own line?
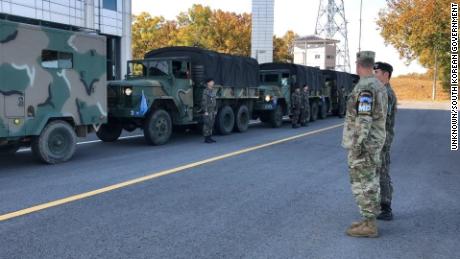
column 199, row 26
column 283, row 48
column 419, row 29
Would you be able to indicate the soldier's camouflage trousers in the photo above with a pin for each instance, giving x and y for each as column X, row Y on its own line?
column 295, row 116
column 365, row 184
column 305, row 114
column 208, row 124
column 386, row 187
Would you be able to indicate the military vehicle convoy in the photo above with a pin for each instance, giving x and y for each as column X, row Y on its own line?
column 165, row 89
column 52, row 89
column 279, row 80
column 337, row 86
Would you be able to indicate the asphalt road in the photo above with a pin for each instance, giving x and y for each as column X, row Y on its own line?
column 286, row 200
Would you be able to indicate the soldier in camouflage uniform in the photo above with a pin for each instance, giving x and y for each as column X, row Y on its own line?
column 305, row 107
column 363, row 137
column 296, row 105
column 208, row 106
column 383, row 73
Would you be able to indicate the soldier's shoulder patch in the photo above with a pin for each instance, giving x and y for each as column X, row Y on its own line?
column 365, row 102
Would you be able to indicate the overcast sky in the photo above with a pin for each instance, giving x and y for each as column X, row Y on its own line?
column 300, row 16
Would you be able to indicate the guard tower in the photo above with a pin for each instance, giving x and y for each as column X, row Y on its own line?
column 332, row 24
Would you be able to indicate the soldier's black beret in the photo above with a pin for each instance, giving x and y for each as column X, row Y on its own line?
column 209, row 79
column 383, row 66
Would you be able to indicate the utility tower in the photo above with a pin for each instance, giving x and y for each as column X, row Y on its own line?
column 332, row 24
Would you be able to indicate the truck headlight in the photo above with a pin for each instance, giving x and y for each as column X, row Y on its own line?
column 267, row 98
column 128, row 91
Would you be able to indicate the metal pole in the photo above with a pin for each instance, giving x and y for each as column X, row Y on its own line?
column 435, row 73
column 360, row 22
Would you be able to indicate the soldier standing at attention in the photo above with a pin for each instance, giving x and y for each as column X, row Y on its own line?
column 363, row 138
column 383, row 73
column 305, row 108
column 296, row 103
column 208, row 106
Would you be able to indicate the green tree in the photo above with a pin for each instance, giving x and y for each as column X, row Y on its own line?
column 419, row 29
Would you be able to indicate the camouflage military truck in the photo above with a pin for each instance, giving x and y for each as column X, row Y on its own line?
column 165, row 90
column 338, row 85
column 52, row 89
column 278, row 81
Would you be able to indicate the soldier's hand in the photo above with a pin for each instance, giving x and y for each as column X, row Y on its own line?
column 206, row 114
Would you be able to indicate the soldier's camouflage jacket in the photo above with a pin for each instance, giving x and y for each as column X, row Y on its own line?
column 364, row 129
column 208, row 101
column 305, row 100
column 296, row 99
column 391, row 114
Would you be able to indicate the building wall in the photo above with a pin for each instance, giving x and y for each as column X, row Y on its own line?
column 322, row 57
column 109, row 17
column 262, row 30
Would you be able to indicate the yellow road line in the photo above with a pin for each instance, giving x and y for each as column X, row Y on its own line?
column 153, row 176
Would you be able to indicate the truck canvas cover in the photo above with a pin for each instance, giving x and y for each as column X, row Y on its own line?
column 342, row 79
column 305, row 75
column 226, row 70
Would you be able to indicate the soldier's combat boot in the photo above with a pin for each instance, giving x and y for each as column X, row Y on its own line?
column 386, row 213
column 366, row 228
column 295, row 126
column 212, row 140
column 207, row 139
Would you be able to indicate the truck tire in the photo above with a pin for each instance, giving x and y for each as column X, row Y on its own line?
column 276, row 117
column 242, row 119
column 314, row 111
column 109, row 132
column 323, row 110
column 225, row 120
column 158, row 127
column 56, row 143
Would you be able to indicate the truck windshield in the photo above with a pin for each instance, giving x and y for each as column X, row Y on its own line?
column 270, row 78
column 147, row 68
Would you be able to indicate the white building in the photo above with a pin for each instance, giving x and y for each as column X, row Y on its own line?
column 315, row 52
column 111, row 18
column 262, row 30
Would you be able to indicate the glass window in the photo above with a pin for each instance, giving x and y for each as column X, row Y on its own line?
column 180, row 69
column 158, row 68
column 110, row 4
column 136, row 69
column 65, row 60
column 271, row 78
column 56, row 59
column 317, row 56
column 49, row 59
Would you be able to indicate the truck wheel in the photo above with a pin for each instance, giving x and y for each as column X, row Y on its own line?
column 56, row 144
column 276, row 117
column 242, row 119
column 158, row 127
column 323, row 110
column 109, row 132
column 314, row 111
column 225, row 120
